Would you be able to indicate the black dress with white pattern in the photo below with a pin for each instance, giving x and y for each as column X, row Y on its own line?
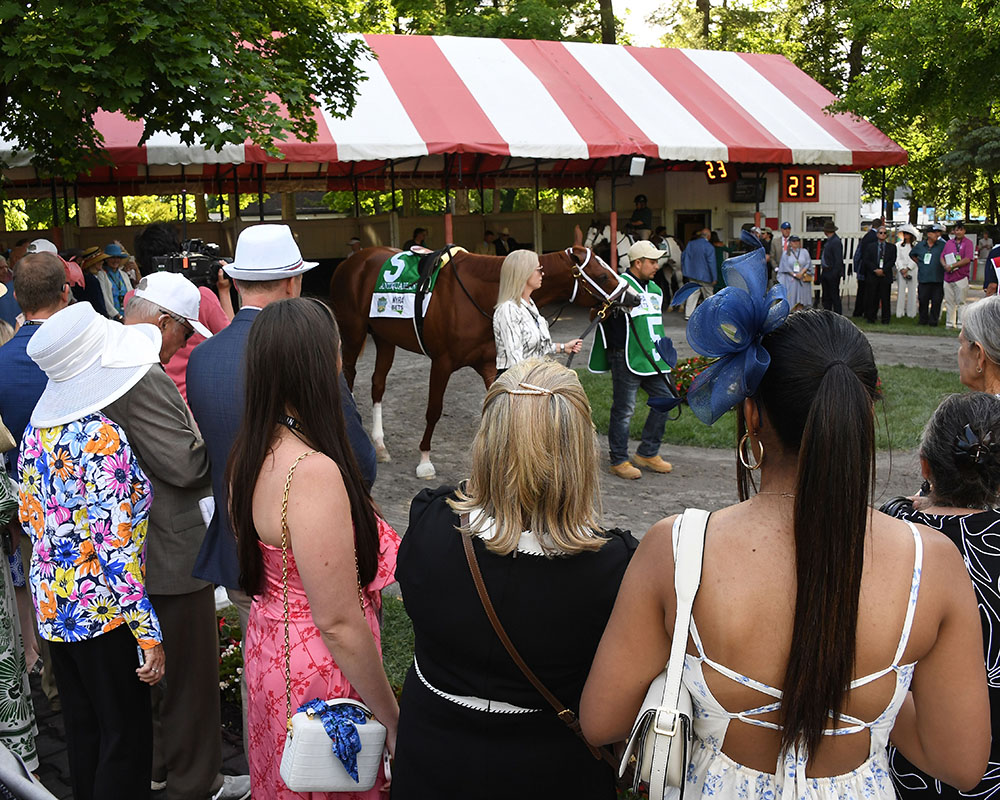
column 977, row 536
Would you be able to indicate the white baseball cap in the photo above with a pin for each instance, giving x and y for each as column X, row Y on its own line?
column 645, row 249
column 42, row 246
column 267, row 253
column 174, row 293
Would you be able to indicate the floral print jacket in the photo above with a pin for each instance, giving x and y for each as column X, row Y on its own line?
column 84, row 502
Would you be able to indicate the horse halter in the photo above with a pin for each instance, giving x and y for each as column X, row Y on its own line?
column 591, row 286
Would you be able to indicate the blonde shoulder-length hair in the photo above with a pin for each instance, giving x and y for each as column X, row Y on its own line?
column 514, row 273
column 534, row 463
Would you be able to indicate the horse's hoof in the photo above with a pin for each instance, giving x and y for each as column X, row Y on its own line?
column 426, row 470
column 382, row 454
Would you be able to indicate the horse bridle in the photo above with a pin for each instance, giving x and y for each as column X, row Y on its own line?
column 590, row 286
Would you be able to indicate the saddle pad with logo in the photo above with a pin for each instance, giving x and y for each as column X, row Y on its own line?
column 404, row 278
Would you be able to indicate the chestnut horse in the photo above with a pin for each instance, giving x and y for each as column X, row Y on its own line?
column 458, row 325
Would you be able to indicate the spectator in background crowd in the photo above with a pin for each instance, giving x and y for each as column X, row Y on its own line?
column 766, row 237
column 990, row 271
column 831, row 271
column 505, row 243
column 979, row 346
column 91, row 291
column 721, row 254
column 795, row 275
column 698, row 265
column 115, row 284
column 780, row 244
column 861, row 258
column 906, row 282
column 957, row 258
column 930, row 275
column 419, row 235
column 353, row 246
column 984, row 245
column 878, row 264
column 487, row 247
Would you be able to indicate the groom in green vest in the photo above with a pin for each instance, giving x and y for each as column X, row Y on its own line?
column 627, row 346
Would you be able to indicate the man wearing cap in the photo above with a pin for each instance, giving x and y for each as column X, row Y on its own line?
column 268, row 267
column 641, row 224
column 930, row 275
column 957, row 258
column 115, row 284
column 187, row 750
column 353, row 246
column 860, row 261
column 831, row 269
column 625, row 343
column 698, row 266
column 879, row 265
column 780, row 244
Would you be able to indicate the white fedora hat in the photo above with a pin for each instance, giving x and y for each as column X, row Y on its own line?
column 90, row 361
column 908, row 228
column 267, row 253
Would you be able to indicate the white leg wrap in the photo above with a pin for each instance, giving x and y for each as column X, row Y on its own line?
column 378, row 435
column 425, row 469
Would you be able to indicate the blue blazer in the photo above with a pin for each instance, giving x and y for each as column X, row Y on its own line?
column 698, row 261
column 215, row 394
column 21, row 384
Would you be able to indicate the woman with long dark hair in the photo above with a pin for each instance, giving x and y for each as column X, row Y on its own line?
column 960, row 460
column 292, row 443
column 820, row 627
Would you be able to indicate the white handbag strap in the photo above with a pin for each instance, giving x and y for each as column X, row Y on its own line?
column 689, row 547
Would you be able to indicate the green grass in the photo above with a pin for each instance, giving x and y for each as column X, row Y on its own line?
column 905, row 325
column 397, row 641
column 910, row 396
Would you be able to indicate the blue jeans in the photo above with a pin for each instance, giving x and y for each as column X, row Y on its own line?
column 624, row 384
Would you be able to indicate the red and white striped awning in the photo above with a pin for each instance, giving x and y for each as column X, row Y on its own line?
column 553, row 101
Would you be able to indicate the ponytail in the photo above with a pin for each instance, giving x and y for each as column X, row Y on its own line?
column 819, row 394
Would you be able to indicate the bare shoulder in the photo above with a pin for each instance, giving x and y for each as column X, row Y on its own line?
column 318, row 474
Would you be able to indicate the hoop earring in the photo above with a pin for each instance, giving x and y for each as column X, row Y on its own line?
column 746, row 453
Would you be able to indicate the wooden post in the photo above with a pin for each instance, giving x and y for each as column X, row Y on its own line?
column 200, row 207
column 407, row 202
column 448, row 234
column 88, row 212
column 288, row 205
column 120, row 209
column 461, row 201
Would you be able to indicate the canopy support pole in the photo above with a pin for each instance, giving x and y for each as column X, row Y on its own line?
column 76, row 202
column 886, row 206
column 55, row 204
column 756, row 199
column 536, row 219
column 260, row 192
column 613, row 218
column 394, row 214
column 448, row 221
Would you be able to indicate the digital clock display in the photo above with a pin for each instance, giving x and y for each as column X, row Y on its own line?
column 799, row 186
column 717, row 172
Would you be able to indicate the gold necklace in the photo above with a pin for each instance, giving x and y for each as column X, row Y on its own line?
column 782, row 494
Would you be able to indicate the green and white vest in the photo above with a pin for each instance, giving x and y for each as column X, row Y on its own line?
column 648, row 320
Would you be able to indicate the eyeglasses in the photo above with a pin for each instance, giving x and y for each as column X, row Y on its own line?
column 881, row 233
column 188, row 329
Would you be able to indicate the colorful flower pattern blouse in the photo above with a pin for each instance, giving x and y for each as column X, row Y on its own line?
column 84, row 502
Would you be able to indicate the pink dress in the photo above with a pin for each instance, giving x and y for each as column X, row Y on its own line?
column 314, row 672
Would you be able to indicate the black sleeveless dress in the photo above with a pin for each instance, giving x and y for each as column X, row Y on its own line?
column 553, row 609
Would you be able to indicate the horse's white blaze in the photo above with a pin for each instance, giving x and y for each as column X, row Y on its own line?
column 378, row 435
column 425, row 469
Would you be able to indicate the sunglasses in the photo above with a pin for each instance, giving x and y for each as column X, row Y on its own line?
column 188, row 330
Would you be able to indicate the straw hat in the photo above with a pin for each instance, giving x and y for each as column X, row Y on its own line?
column 267, row 253
column 90, row 362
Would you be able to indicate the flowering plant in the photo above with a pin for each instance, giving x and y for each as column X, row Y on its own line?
column 230, row 656
column 687, row 370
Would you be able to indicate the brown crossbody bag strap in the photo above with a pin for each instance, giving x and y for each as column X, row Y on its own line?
column 567, row 715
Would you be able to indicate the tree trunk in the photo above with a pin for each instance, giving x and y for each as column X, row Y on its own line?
column 991, row 212
column 705, row 7
column 968, row 200
column 607, row 22
column 914, row 209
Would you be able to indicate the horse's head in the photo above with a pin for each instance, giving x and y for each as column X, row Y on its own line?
column 598, row 280
column 593, row 234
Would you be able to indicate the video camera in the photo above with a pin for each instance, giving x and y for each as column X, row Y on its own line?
column 198, row 262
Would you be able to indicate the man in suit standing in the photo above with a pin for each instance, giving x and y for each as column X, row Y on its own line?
column 268, row 267
column 879, row 264
column 861, row 258
column 831, row 269
column 187, row 744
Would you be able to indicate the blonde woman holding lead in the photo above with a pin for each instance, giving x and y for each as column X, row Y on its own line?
column 520, row 331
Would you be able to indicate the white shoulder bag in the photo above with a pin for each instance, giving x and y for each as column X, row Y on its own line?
column 659, row 744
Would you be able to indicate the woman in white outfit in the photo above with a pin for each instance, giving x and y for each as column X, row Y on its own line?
column 820, row 626
column 520, row 330
column 795, row 272
column 906, row 273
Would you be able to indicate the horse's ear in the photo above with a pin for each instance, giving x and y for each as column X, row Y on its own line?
column 577, row 236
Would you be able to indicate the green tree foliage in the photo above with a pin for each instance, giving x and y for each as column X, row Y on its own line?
column 575, row 20
column 223, row 72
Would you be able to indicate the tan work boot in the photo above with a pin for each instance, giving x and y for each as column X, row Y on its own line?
column 625, row 470
column 656, row 464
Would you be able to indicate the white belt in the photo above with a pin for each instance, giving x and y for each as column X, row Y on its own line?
column 475, row 703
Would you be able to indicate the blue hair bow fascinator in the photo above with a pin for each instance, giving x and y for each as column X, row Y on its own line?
column 729, row 327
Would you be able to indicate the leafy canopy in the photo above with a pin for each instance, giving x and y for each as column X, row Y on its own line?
column 222, row 72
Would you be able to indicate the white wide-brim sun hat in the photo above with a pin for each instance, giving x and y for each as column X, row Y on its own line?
column 267, row 253
column 90, row 362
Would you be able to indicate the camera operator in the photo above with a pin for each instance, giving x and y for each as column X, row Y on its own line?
column 216, row 310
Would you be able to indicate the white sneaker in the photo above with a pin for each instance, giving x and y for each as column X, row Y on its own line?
column 157, row 786
column 234, row 787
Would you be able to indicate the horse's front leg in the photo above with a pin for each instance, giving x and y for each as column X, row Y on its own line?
column 441, row 370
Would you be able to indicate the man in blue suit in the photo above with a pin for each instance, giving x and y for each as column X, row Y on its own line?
column 698, row 266
column 268, row 267
column 41, row 289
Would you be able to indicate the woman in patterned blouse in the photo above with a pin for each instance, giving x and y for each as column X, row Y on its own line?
column 520, row 331
column 84, row 503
